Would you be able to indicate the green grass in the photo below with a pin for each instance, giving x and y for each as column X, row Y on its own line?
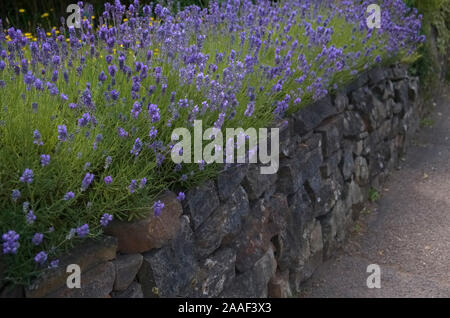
column 374, row 195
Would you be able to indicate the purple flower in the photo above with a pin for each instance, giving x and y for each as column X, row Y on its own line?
column 83, row 230
column 114, row 94
column 132, row 186
column 62, row 132
column 69, row 196
column 181, row 196
column 105, row 219
column 84, row 120
column 112, row 69
column 108, row 162
column 15, row 195
column 157, row 207
column 37, row 238
column 153, row 112
column 108, row 180
column 142, row 183
column 64, row 97
column 250, row 108
column 56, row 59
column 45, row 160
column 27, row 176
column 102, row 77
column 54, row 264
column 10, row 242
column 136, row 109
column 30, row 217
column 41, row 258
column 122, row 132
column 87, row 180
column 37, row 138
column 137, row 147
column 153, row 132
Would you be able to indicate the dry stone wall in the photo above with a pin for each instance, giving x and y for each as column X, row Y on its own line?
column 251, row 235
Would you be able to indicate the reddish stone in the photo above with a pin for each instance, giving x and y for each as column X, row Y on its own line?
column 151, row 232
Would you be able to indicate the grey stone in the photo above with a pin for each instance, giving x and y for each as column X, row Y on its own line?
column 341, row 101
column 308, row 118
column 385, row 129
column 223, row 225
column 201, row 202
column 413, row 89
column 264, row 222
column 254, row 283
column 353, row 125
column 388, row 92
column 401, row 92
column 87, row 255
column 290, row 177
column 347, row 161
column 256, row 183
column 171, row 271
column 288, row 242
column 133, row 291
column 96, row 283
column 355, row 194
column 12, row 291
column 376, row 75
column 331, row 164
column 279, row 285
column 218, row 271
column 334, row 226
column 127, row 266
column 358, row 148
column 331, row 131
column 361, row 171
column 360, row 98
column 311, row 164
column 362, row 80
column 399, row 72
column 309, row 257
column 229, row 180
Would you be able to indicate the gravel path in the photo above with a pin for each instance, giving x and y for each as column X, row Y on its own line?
column 407, row 232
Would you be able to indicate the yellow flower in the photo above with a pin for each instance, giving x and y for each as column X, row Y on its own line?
column 93, row 17
column 22, row 10
column 125, row 20
column 27, row 34
column 45, row 15
column 49, row 34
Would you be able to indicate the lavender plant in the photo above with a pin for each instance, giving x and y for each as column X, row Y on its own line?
column 86, row 114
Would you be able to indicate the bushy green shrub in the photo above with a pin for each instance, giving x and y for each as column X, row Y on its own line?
column 435, row 53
